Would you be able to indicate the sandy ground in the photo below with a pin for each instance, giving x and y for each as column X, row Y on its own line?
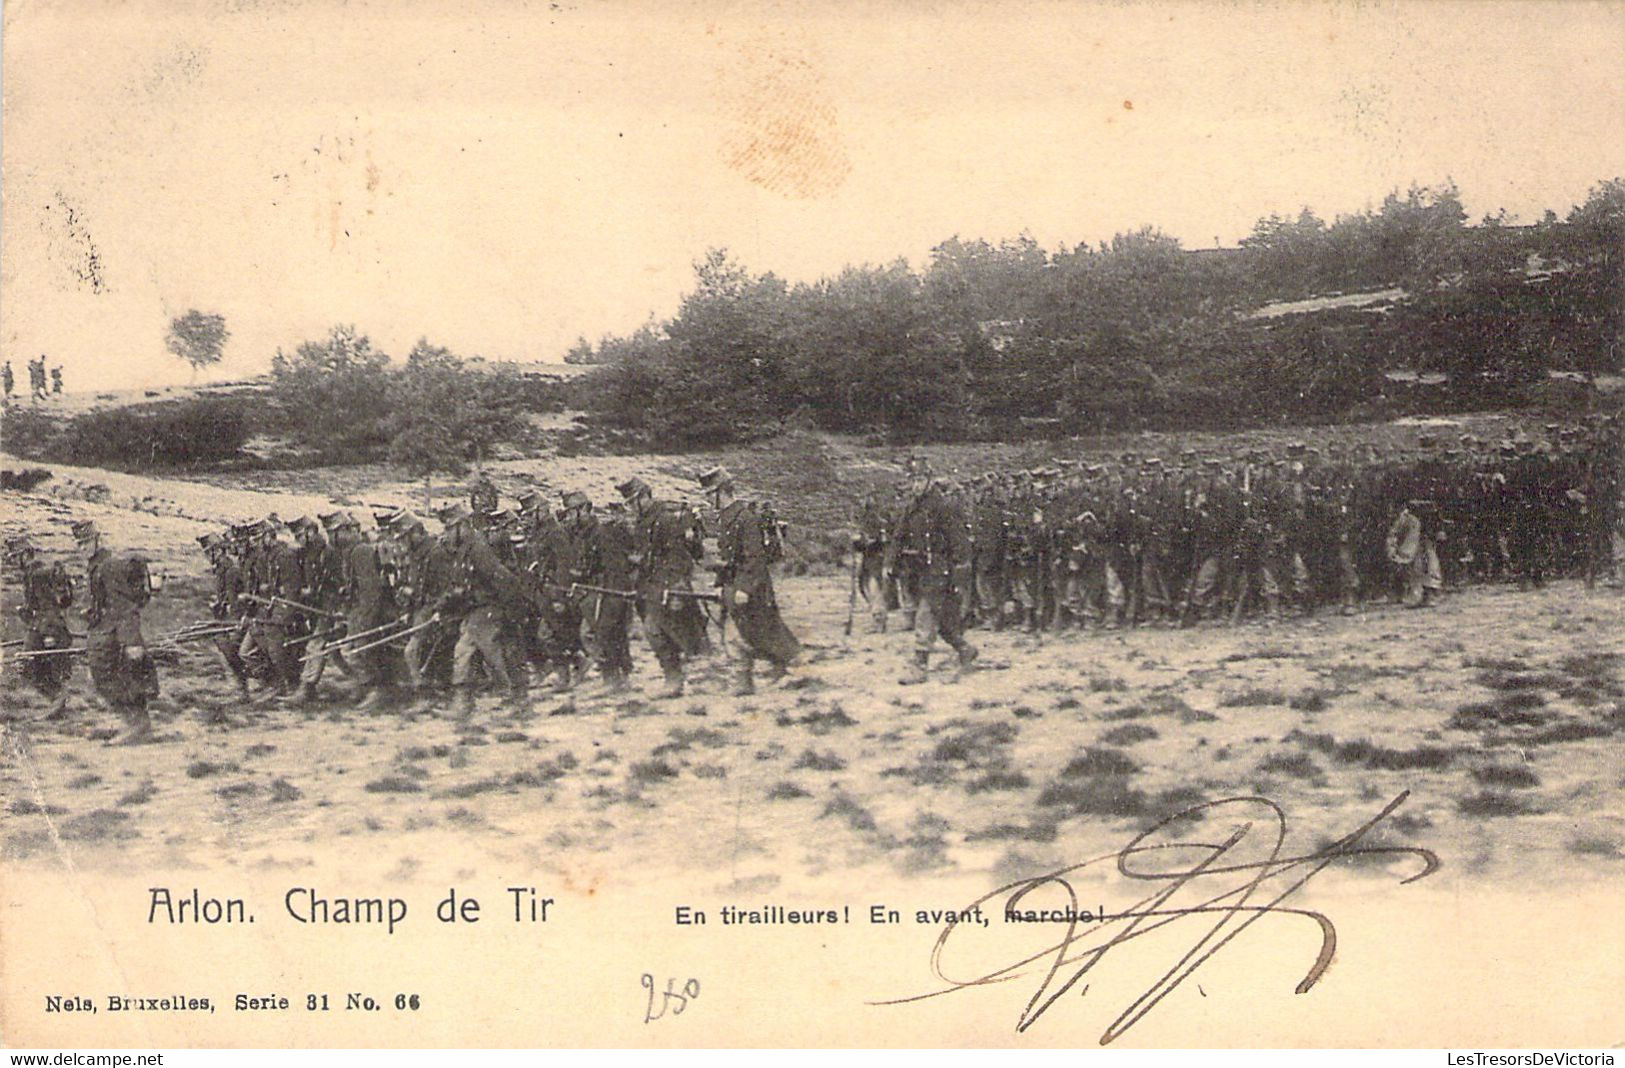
column 1501, row 712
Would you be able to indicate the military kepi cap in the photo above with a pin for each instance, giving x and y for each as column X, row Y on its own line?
column 451, row 512
column 716, row 478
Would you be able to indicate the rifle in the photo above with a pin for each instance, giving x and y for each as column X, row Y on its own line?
column 431, row 621
column 625, row 595
column 701, row 597
column 75, row 651
column 667, row 596
column 196, row 635
column 340, row 646
column 273, row 601
column 322, row 634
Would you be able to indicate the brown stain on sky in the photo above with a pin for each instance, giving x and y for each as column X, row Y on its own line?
column 786, row 135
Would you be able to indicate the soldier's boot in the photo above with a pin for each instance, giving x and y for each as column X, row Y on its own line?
column 377, row 699
column 908, row 620
column 137, row 725
column 919, row 670
column 880, row 622
column 674, row 684
column 465, row 704
column 744, row 679
column 1272, row 607
column 967, row 656
column 306, row 694
column 616, row 682
column 58, row 707
column 564, row 679
column 518, row 703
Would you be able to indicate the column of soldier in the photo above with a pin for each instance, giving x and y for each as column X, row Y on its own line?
column 411, row 616
column 1173, row 541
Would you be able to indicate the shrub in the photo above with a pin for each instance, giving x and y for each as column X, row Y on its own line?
column 205, row 430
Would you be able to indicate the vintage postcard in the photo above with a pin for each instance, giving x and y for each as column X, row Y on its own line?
column 994, row 524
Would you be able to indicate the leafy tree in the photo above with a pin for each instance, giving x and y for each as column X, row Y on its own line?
column 442, row 414
column 333, row 393
column 581, row 353
column 197, row 338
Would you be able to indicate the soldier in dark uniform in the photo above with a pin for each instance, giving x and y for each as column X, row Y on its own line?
column 367, row 606
column 669, row 540
column 749, row 543
column 930, row 554
column 117, row 588
column 482, row 499
column 606, row 561
column 552, row 558
column 227, row 606
column 272, row 572
column 425, row 577
column 989, row 550
column 321, row 583
column 870, row 545
column 47, row 594
column 484, row 595
column 9, row 379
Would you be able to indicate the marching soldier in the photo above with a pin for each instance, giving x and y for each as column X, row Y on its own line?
column 367, row 607
column 485, row 595
column 606, row 562
column 482, row 499
column 930, row 554
column 274, row 578
column 669, row 540
column 552, row 559
column 425, row 581
column 870, row 545
column 321, row 583
column 1416, row 562
column 9, row 379
column 47, row 594
column 226, row 605
column 117, row 588
column 749, row 543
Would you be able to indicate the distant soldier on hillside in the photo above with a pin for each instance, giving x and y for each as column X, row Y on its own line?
column 8, row 379
column 56, row 380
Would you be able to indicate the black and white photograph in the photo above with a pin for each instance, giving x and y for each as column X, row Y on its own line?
column 931, row 524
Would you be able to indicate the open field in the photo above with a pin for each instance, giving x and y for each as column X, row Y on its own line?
column 1502, row 712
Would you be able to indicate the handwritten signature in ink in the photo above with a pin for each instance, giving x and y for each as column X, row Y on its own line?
column 1220, row 888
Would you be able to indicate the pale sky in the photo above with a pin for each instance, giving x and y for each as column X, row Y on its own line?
column 502, row 177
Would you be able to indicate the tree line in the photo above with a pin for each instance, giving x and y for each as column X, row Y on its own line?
column 1137, row 332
